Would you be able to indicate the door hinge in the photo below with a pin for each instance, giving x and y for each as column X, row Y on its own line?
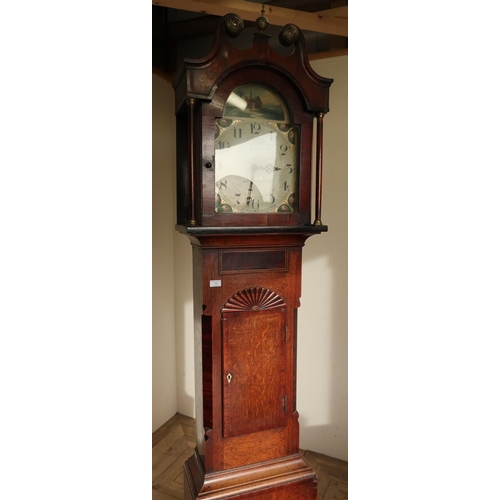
column 284, row 403
column 286, row 331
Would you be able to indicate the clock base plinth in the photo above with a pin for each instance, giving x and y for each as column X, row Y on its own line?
column 282, row 479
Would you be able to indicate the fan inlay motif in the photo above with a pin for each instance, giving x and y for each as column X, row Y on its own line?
column 253, row 299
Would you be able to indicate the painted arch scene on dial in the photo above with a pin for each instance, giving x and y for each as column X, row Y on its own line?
column 255, row 153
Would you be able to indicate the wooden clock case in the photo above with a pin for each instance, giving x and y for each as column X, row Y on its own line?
column 246, row 278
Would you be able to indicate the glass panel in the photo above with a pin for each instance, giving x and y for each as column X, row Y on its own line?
column 256, row 100
column 255, row 153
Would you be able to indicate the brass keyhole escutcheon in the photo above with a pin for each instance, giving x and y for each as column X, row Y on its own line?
column 229, row 377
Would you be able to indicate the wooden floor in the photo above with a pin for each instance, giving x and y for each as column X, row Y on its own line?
column 174, row 442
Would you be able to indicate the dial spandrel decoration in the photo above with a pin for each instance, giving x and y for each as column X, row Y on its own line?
column 255, row 153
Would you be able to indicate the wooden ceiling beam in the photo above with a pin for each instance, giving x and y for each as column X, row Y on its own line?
column 249, row 11
column 327, row 54
column 335, row 12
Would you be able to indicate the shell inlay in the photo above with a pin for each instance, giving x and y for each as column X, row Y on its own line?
column 253, row 299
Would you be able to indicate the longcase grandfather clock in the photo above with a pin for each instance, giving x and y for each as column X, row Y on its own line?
column 245, row 192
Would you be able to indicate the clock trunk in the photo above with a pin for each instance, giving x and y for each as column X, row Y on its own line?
column 247, row 291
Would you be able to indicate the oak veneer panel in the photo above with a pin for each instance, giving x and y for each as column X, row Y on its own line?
column 293, row 491
column 252, row 448
column 254, row 357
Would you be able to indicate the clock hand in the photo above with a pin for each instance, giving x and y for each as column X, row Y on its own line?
column 268, row 168
column 250, row 189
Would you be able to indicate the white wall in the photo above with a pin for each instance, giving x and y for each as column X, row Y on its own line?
column 322, row 345
column 163, row 157
column 322, row 326
column 184, row 324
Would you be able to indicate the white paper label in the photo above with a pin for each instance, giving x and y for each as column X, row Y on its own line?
column 215, row 283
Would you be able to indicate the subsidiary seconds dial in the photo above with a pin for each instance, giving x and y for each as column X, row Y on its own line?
column 255, row 166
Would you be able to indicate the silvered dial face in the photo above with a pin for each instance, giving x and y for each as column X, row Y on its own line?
column 255, row 166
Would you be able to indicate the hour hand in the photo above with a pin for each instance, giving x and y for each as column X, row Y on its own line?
column 250, row 189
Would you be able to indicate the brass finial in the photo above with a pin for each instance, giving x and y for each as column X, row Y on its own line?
column 262, row 22
column 289, row 35
column 234, row 25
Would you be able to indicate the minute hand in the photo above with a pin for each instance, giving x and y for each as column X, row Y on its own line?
column 268, row 168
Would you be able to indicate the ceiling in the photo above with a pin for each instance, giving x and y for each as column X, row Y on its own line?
column 186, row 28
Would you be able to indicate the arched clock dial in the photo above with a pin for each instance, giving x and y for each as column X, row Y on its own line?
column 255, row 166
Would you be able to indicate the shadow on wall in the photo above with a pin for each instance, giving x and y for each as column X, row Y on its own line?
column 322, row 348
column 164, row 386
column 183, row 284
